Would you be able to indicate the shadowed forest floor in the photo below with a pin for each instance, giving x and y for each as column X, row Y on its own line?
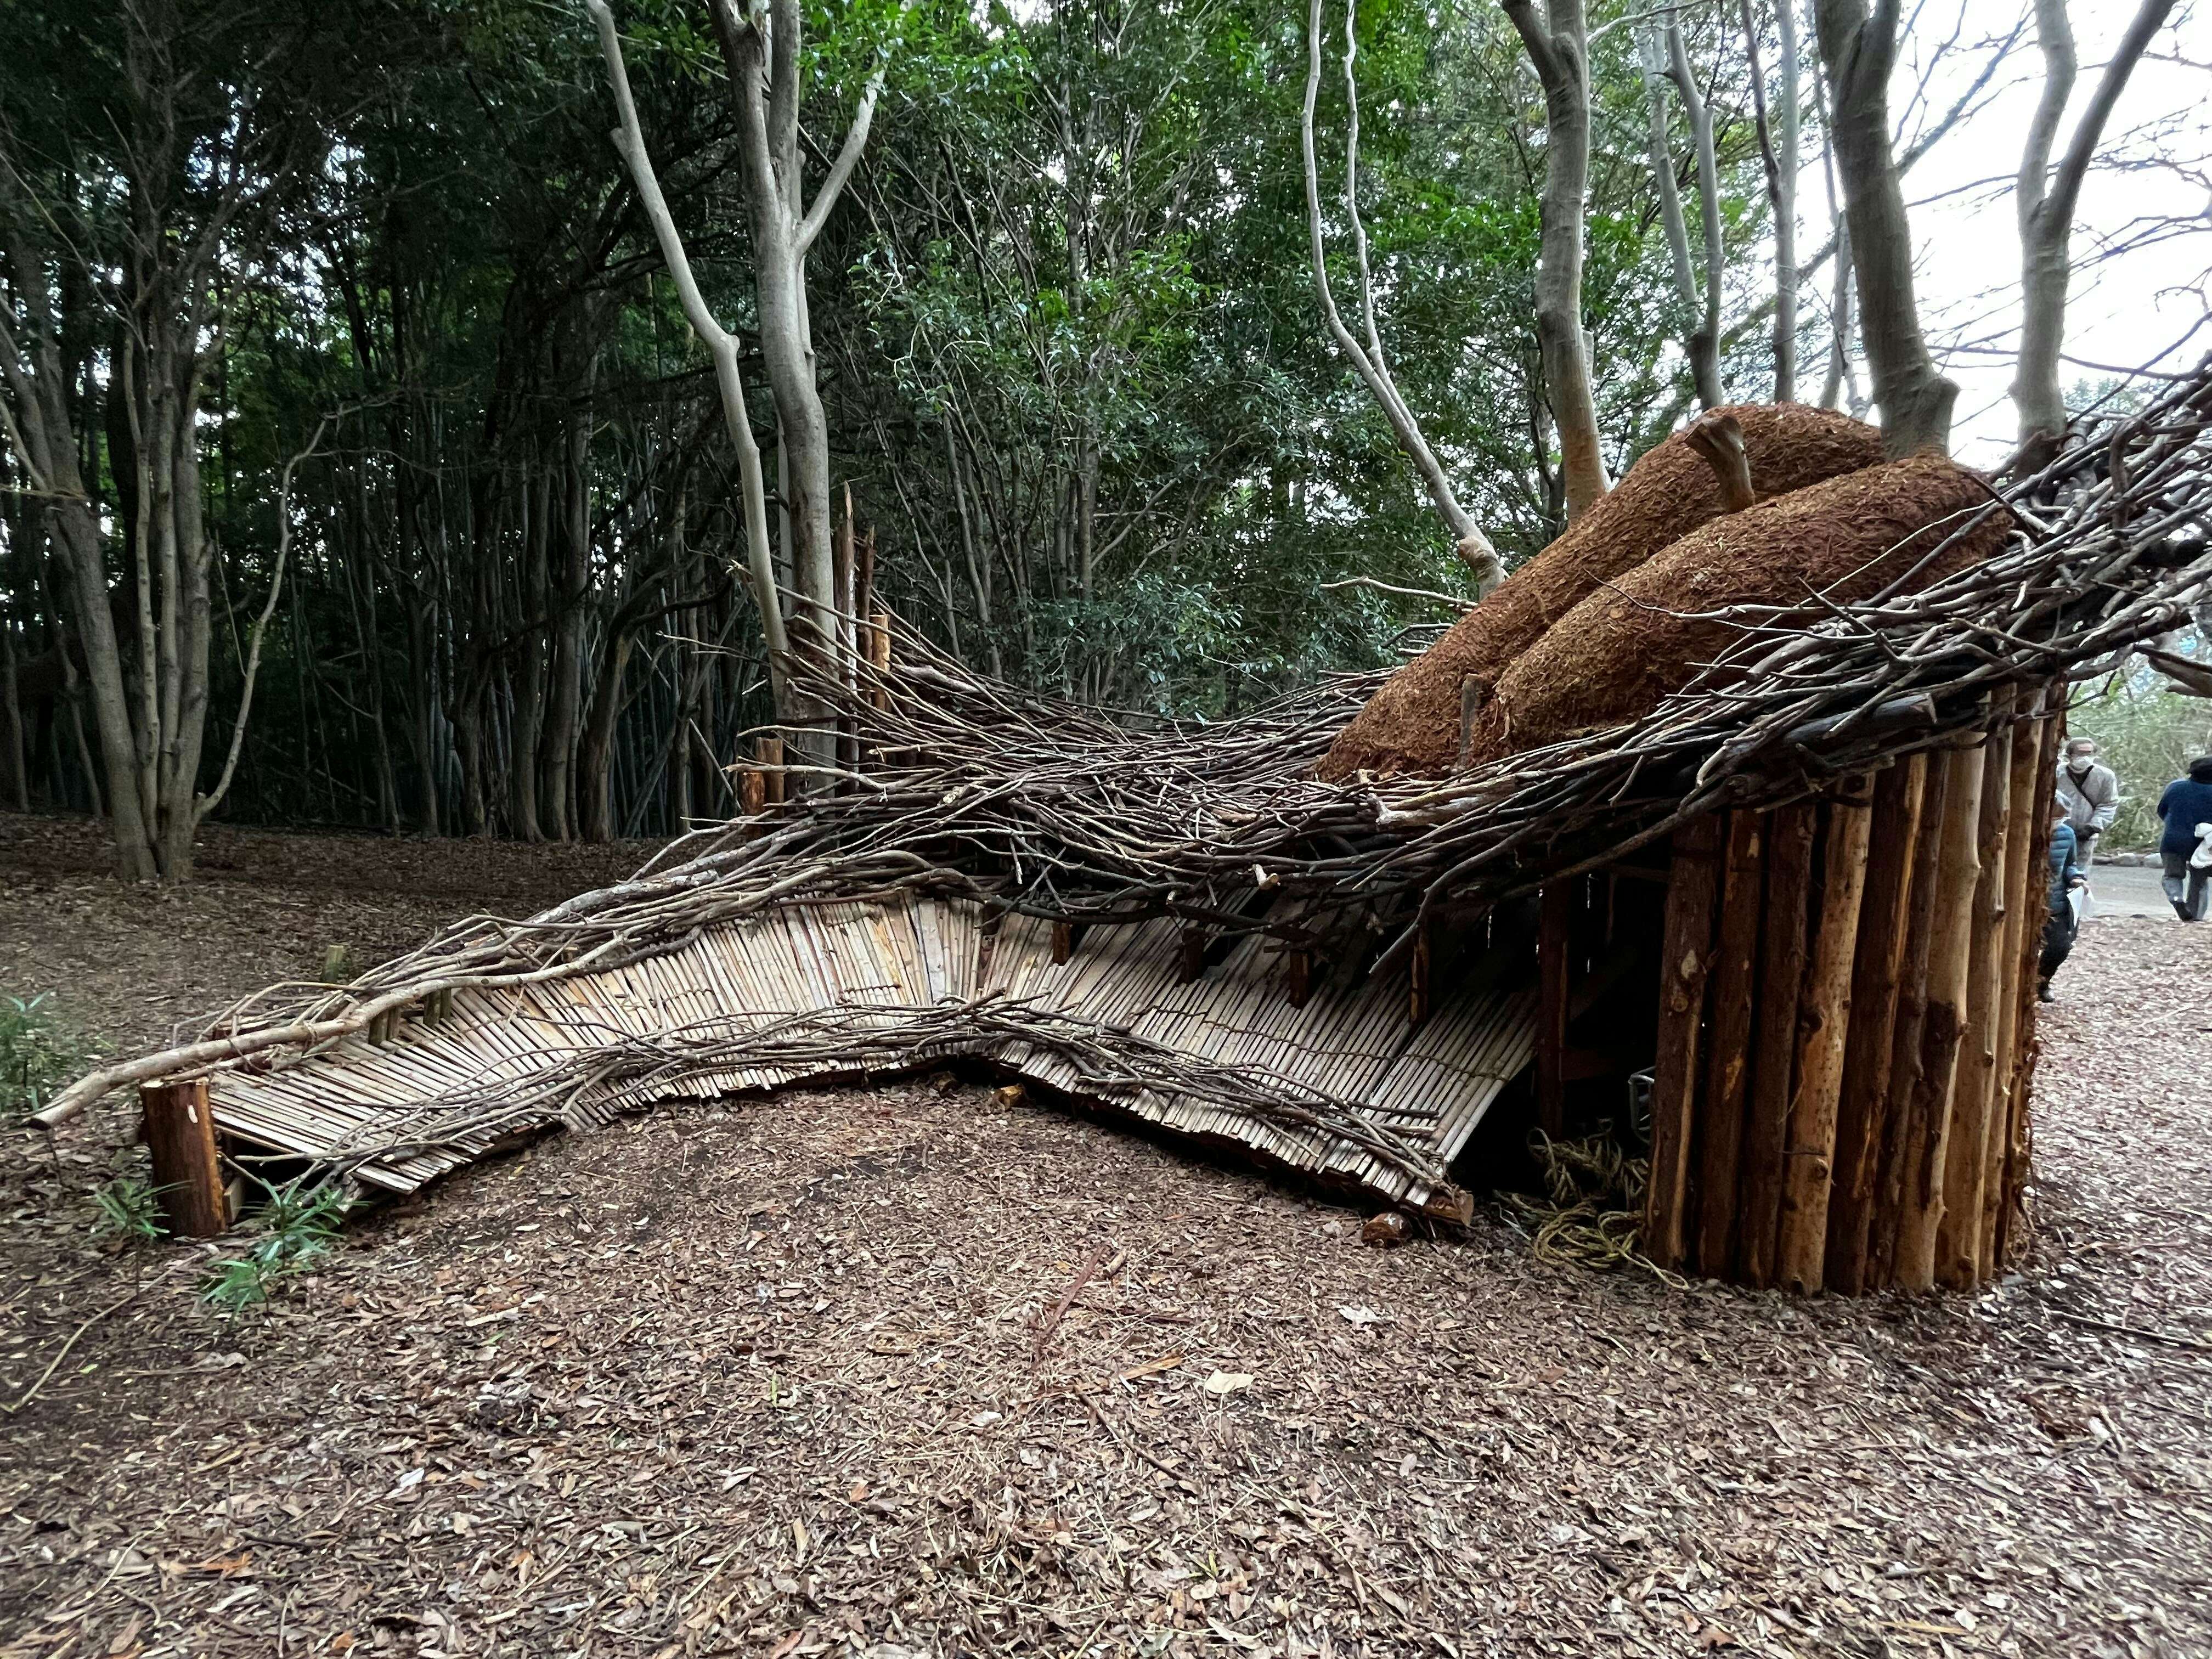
column 897, row 1371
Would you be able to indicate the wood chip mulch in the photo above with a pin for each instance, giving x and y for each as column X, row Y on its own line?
column 907, row 1371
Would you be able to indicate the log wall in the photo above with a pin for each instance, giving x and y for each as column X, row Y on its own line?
column 1847, row 1023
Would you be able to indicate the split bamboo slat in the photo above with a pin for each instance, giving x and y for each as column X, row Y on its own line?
column 1790, row 834
column 1885, row 936
column 1685, row 961
column 1823, row 1021
column 1728, row 1062
column 1430, row 1088
column 1966, row 1156
column 1928, row 1126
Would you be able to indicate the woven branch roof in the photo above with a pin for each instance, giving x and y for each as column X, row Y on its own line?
column 1046, row 809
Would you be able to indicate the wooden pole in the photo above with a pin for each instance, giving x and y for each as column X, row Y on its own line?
column 1862, row 1107
column 1554, row 935
column 771, row 763
column 1885, row 1209
column 1774, row 1044
column 1824, row 1017
column 1685, row 961
column 1728, row 1057
column 1928, row 1127
column 187, row 1173
column 1966, row 1155
column 752, row 791
column 1877, row 1244
column 2026, row 848
column 2048, row 733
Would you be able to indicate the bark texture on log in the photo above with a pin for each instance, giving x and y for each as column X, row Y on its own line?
column 1885, row 933
column 187, row 1171
column 1686, row 962
column 1928, row 1125
column 1966, row 1152
column 1727, row 1063
column 1781, row 976
column 1823, row 1021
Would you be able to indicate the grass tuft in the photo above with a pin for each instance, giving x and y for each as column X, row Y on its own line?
column 39, row 1052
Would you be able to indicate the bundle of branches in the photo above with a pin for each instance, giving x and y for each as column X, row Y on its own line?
column 970, row 787
column 875, row 1040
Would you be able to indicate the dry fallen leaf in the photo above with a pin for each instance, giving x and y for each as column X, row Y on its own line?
column 1227, row 1381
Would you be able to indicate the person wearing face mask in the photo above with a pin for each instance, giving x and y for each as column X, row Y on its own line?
column 2092, row 794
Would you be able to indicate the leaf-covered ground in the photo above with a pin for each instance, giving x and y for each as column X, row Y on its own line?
column 902, row 1372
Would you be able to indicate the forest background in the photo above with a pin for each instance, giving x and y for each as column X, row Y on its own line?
column 354, row 311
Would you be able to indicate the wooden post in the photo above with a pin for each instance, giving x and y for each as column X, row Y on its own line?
column 2026, row 858
column 1418, row 973
column 1877, row 1244
column 1774, row 1046
column 1823, row 1021
column 1966, row 1154
column 187, row 1174
column 752, row 791
column 1928, row 1128
column 1862, row 1108
column 1190, row 952
column 771, row 752
column 1298, row 976
column 879, row 648
column 1686, row 960
column 2049, row 730
column 1728, row 1062
column 1554, row 938
column 1063, row 943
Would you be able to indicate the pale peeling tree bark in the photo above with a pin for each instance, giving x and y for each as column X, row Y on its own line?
column 1367, row 359
column 1777, row 151
column 1557, row 45
column 761, row 50
column 2044, row 201
column 1859, row 48
column 1703, row 342
column 721, row 347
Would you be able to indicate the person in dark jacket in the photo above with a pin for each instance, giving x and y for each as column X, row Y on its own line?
column 2185, row 805
column 2059, row 923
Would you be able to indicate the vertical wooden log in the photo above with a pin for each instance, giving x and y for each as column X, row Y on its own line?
column 1861, row 1111
column 1686, row 962
column 2050, row 731
column 187, row 1174
column 1824, row 1017
column 771, row 761
column 2026, row 849
column 1877, row 1244
column 1554, row 939
column 1774, row 1042
column 1928, row 1128
column 1190, row 952
column 1418, row 978
column 1063, row 943
column 1298, row 976
column 1965, row 1156
column 1728, row 1048
column 752, row 791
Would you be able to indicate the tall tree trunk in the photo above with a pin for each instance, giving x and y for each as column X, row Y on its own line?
column 1559, row 47
column 1859, row 48
column 2044, row 202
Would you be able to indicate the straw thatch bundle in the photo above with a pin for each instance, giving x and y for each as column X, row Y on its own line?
column 1411, row 725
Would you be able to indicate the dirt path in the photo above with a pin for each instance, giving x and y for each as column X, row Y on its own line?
column 897, row 1372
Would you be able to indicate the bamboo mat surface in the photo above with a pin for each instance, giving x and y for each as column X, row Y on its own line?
column 399, row 1111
